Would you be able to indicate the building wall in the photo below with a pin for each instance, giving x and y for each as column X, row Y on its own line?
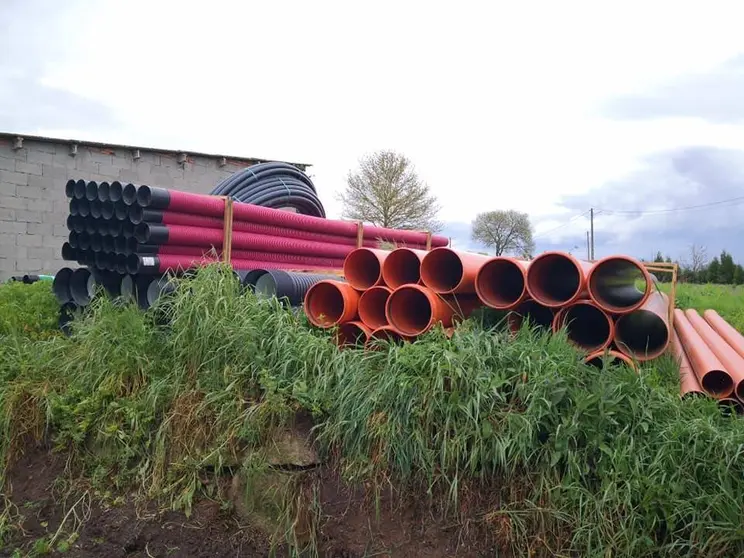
column 33, row 206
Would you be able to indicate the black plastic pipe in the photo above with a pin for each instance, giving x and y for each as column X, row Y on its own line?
column 69, row 253
column 70, row 188
column 286, row 286
column 115, row 191
column 91, row 191
column 82, row 286
column 61, row 285
column 83, row 207
column 103, row 191
column 121, row 210
column 79, row 189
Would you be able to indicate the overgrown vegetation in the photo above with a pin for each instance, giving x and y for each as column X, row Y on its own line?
column 513, row 437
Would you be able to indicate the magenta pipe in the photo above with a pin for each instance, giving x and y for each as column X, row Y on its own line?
column 255, row 255
column 139, row 215
column 164, row 263
column 195, row 236
column 199, row 204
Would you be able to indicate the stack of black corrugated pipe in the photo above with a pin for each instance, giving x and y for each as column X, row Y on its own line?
column 130, row 238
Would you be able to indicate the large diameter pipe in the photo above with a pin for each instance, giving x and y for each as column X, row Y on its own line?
column 413, row 309
column 556, row 279
column 352, row 334
column 329, row 303
column 612, row 284
column 446, row 271
column 287, row 286
column 644, row 333
column 501, row 282
column 192, row 236
column 603, row 357
column 163, row 263
column 372, row 305
column 403, row 267
column 139, row 215
column 185, row 202
column 255, row 255
column 688, row 382
column 363, row 267
column 725, row 330
column 82, row 286
column 731, row 360
column 710, row 372
column 61, row 285
column 537, row 315
column 587, row 325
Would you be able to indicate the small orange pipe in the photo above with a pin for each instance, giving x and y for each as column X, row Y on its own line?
column 372, row 306
column 403, row 267
column 446, row 271
column 363, row 267
column 611, row 284
column 688, row 382
column 501, row 282
column 587, row 325
column 710, row 372
column 725, row 330
column 330, row 302
column 413, row 309
column 596, row 358
column 644, row 333
column 555, row 279
column 731, row 360
column 539, row 315
column 351, row 334
column 727, row 402
column 388, row 333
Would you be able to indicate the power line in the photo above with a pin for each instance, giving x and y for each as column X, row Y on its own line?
column 574, row 218
column 670, row 210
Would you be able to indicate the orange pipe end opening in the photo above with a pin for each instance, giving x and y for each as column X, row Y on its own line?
column 537, row 314
column 644, row 334
column 352, row 334
column 402, row 267
column 587, row 326
column 730, row 405
column 363, row 268
column 611, row 283
column 555, row 279
column 411, row 310
column 386, row 333
column 329, row 302
column 598, row 358
column 501, row 283
column 372, row 305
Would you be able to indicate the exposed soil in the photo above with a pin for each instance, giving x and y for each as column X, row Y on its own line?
column 116, row 527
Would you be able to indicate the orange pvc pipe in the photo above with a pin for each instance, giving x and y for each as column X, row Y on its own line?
column 403, row 267
column 555, row 279
column 363, row 267
column 587, row 325
column 351, row 334
column 731, row 360
column 597, row 358
column 730, row 402
column 712, row 375
column 388, row 333
column 413, row 309
column 446, row 271
column 501, row 282
column 372, row 307
column 611, row 283
column 536, row 313
column 725, row 330
column 644, row 333
column 688, row 382
column 330, row 302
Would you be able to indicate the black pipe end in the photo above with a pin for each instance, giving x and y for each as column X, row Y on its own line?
column 107, row 209
column 61, row 285
column 121, row 210
column 68, row 252
column 83, row 241
column 109, row 244
column 91, row 227
column 79, row 189
column 103, row 192
column 130, row 246
column 127, row 229
column 138, row 248
column 78, row 224
column 95, row 208
column 115, row 191
column 115, row 227
column 72, row 238
column 146, row 265
column 120, row 245
column 101, row 260
column 83, row 207
column 74, row 210
column 120, row 264
column 70, row 222
column 151, row 234
column 152, row 197
column 70, row 188
column 96, row 242
column 137, row 215
column 91, row 191
column 129, row 194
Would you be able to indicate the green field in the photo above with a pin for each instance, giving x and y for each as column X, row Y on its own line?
column 511, row 443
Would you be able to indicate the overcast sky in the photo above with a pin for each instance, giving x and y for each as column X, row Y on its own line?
column 545, row 107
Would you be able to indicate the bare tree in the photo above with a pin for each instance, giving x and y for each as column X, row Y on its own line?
column 387, row 192
column 506, row 232
column 698, row 258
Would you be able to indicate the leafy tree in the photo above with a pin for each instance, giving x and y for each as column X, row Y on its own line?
column 738, row 275
column 505, row 232
column 714, row 271
column 728, row 267
column 386, row 191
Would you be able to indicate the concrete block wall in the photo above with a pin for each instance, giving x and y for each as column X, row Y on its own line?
column 33, row 206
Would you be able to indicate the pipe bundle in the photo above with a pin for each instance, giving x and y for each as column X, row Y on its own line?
column 408, row 291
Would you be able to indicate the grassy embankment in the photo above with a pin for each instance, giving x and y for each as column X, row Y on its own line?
column 513, row 439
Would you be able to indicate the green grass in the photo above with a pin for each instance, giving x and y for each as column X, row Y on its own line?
column 546, row 455
column 727, row 300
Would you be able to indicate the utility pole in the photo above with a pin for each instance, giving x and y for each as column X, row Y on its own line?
column 588, row 253
column 591, row 227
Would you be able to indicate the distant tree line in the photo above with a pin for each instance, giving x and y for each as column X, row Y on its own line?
column 698, row 269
